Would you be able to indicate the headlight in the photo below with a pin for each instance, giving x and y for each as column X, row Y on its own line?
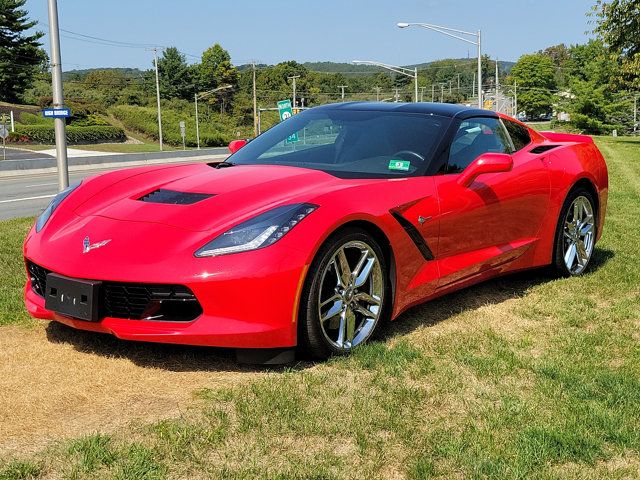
column 261, row 231
column 44, row 216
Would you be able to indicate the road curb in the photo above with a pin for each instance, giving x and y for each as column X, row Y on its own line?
column 12, row 168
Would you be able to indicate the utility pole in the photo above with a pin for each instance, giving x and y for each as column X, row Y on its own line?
column 377, row 94
column 433, row 91
column 294, row 77
column 58, row 97
column 255, row 103
column 155, row 57
column 397, row 95
column 442, row 93
column 515, row 98
column 497, row 107
column 415, row 73
column 450, row 82
column 342, row 87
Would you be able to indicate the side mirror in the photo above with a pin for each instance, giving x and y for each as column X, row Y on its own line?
column 485, row 163
column 236, row 145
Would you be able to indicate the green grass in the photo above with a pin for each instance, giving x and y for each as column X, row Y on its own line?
column 521, row 377
column 109, row 147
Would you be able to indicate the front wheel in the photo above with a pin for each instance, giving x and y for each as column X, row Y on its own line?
column 346, row 295
column 575, row 234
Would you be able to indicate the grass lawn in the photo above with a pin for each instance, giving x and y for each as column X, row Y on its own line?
column 109, row 147
column 521, row 377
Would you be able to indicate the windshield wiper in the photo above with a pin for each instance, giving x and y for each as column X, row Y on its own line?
column 225, row 165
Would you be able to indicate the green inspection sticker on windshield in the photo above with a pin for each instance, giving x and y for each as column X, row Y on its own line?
column 402, row 165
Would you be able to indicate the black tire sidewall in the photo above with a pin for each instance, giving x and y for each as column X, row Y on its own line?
column 311, row 339
column 558, row 249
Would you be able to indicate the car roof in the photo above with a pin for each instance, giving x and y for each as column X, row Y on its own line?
column 428, row 108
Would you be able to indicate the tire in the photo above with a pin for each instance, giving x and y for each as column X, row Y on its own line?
column 353, row 306
column 579, row 232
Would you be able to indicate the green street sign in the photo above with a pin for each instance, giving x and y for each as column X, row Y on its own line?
column 285, row 111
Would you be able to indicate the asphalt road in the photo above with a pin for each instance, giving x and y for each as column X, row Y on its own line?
column 16, row 154
column 28, row 195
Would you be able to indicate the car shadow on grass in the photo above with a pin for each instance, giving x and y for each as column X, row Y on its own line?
column 490, row 292
column 184, row 358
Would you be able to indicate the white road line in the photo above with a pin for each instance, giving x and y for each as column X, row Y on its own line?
column 27, row 198
column 40, row 185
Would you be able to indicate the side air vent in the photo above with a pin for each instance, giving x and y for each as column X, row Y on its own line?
column 542, row 148
column 174, row 198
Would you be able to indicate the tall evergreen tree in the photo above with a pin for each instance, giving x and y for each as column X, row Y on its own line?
column 20, row 54
column 175, row 75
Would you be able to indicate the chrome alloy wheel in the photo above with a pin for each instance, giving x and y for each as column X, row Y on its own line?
column 579, row 235
column 351, row 295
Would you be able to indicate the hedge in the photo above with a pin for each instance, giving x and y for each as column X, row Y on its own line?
column 75, row 135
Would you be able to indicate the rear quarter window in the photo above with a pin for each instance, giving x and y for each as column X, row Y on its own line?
column 519, row 134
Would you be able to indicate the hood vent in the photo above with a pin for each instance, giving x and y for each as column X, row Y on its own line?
column 542, row 148
column 174, row 198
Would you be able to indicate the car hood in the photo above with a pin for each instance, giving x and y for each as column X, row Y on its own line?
column 208, row 197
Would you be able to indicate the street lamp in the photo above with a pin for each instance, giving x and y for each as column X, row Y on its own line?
column 201, row 96
column 448, row 31
column 401, row 70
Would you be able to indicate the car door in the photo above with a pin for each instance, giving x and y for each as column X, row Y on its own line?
column 493, row 221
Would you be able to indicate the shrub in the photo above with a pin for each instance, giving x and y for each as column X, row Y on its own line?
column 75, row 135
column 144, row 120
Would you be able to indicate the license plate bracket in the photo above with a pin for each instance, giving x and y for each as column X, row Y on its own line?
column 72, row 297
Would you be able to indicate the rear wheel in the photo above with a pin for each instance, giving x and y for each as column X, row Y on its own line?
column 345, row 298
column 575, row 233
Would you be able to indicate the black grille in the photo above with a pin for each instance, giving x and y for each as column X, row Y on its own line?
column 175, row 198
column 136, row 301
column 38, row 278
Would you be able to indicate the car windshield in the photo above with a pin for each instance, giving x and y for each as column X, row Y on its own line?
column 349, row 143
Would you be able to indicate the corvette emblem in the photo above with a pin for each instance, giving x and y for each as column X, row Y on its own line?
column 87, row 246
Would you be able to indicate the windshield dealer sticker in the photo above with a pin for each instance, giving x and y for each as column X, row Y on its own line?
column 402, row 165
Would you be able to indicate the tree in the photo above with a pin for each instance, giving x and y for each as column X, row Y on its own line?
column 216, row 68
column 176, row 78
column 618, row 25
column 536, row 79
column 21, row 57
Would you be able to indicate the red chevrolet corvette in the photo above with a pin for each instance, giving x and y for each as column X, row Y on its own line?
column 319, row 231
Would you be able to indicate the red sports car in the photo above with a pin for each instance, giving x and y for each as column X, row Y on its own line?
column 319, row 231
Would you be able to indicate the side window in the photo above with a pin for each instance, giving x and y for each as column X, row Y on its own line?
column 474, row 137
column 519, row 134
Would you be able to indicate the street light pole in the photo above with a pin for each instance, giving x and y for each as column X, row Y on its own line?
column 204, row 95
column 58, row 98
column 401, row 70
column 452, row 32
column 197, row 124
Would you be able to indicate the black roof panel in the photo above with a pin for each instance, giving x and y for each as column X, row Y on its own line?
column 442, row 109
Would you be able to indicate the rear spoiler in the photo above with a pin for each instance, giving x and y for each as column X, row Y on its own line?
column 567, row 137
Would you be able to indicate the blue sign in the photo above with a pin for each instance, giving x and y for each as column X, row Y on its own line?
column 56, row 112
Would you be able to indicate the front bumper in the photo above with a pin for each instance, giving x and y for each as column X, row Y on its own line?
column 249, row 301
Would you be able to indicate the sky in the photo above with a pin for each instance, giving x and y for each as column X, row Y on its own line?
column 271, row 31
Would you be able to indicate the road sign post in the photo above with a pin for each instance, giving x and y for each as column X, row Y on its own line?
column 285, row 111
column 4, row 133
column 183, row 133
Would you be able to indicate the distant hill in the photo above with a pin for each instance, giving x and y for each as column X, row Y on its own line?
column 127, row 72
column 347, row 68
